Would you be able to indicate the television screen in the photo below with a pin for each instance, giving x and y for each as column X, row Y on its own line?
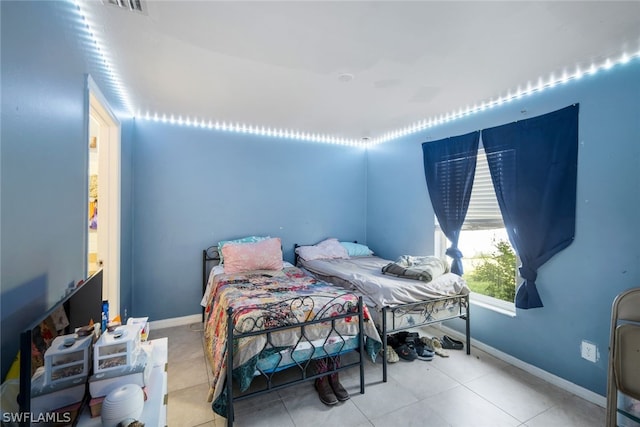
column 85, row 304
column 82, row 306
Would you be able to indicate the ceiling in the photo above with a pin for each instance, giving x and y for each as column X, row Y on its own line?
column 350, row 69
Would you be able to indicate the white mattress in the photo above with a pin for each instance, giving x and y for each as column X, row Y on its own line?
column 364, row 274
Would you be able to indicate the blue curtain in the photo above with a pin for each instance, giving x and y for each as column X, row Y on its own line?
column 449, row 167
column 533, row 166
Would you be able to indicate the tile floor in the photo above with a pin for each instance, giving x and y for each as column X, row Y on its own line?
column 477, row 390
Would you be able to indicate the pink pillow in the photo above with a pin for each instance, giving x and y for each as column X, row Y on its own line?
column 264, row 255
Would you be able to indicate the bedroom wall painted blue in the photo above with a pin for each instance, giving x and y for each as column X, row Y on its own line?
column 43, row 163
column 579, row 284
column 193, row 187
column 43, row 175
column 170, row 177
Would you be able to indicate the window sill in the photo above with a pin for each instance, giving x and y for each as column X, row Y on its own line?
column 499, row 306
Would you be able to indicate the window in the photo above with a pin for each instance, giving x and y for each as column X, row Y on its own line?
column 490, row 263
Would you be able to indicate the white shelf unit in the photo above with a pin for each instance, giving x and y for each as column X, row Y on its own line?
column 154, row 413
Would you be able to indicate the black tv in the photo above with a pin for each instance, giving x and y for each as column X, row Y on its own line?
column 81, row 306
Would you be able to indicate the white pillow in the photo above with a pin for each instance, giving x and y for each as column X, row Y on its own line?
column 327, row 249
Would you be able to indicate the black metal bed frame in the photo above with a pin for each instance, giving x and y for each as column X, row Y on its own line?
column 427, row 310
column 275, row 323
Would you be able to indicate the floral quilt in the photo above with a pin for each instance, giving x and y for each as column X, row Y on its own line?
column 263, row 300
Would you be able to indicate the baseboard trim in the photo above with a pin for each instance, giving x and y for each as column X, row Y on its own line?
column 573, row 388
column 175, row 321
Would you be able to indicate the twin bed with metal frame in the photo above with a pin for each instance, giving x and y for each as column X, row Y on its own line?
column 265, row 328
column 391, row 305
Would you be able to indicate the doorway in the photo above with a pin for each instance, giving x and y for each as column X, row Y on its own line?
column 103, row 173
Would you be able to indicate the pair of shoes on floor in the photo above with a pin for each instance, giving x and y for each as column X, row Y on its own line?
column 434, row 345
column 406, row 352
column 402, row 337
column 423, row 352
column 401, row 343
column 329, row 389
column 451, row 344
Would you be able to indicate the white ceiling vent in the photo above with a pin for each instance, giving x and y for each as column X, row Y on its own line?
column 131, row 5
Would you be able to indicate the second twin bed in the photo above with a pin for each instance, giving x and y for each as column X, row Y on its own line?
column 395, row 303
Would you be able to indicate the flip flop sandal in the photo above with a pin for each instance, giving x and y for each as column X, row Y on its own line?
column 423, row 352
column 407, row 353
column 451, row 344
column 437, row 347
column 392, row 356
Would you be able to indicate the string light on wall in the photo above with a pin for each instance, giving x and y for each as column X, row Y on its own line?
column 243, row 128
column 541, row 85
column 104, row 66
column 99, row 57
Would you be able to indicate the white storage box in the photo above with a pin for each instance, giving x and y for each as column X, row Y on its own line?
column 117, row 348
column 67, row 358
column 103, row 383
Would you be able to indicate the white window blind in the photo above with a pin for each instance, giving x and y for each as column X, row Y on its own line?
column 483, row 212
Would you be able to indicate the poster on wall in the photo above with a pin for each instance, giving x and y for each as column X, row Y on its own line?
column 93, row 202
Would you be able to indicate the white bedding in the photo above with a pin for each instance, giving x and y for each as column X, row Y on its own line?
column 364, row 274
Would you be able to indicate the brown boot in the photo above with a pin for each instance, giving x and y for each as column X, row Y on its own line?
column 325, row 392
column 339, row 391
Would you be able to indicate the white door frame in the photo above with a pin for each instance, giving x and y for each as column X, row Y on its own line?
column 109, row 189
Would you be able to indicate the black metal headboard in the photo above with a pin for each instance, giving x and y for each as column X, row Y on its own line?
column 210, row 258
column 295, row 254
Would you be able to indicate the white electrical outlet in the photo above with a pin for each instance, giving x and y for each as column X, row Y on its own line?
column 589, row 351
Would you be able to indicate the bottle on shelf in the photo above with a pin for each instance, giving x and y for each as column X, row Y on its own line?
column 105, row 315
